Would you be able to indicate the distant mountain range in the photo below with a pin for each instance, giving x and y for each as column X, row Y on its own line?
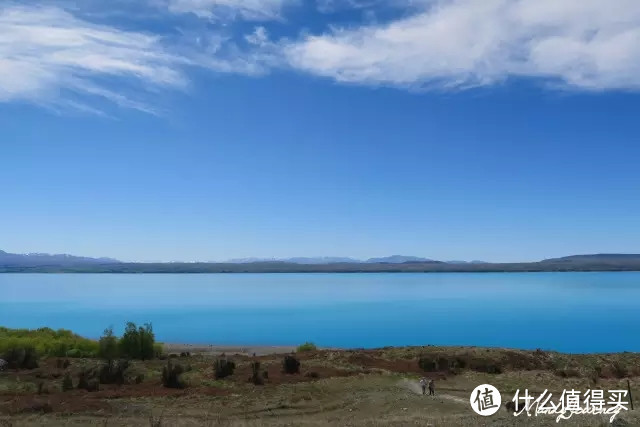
column 601, row 258
column 297, row 260
column 393, row 259
column 38, row 262
column 38, row 259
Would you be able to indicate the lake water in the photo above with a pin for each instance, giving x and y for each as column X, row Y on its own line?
column 571, row 312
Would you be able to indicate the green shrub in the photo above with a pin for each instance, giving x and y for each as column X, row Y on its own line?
column 427, row 364
column 47, row 342
column 290, row 365
column 138, row 343
column 568, row 372
column 485, row 365
column 619, row 370
column 86, row 377
column 108, row 345
column 42, row 388
column 113, row 372
column 158, row 350
column 308, row 346
column 24, row 357
column 223, row 368
column 256, row 378
column 67, row 382
column 62, row 363
column 74, row 352
column 171, row 375
column 24, row 346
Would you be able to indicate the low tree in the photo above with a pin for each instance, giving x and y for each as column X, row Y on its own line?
column 147, row 341
column 138, row 342
column 130, row 342
column 108, row 346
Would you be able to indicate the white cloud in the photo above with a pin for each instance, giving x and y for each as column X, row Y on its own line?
column 246, row 9
column 52, row 58
column 48, row 56
column 330, row 6
column 588, row 44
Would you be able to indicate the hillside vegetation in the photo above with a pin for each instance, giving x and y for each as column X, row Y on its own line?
column 308, row 387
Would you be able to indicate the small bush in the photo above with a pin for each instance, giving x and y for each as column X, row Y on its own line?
column 185, row 354
column 223, row 368
column 21, row 357
column 113, row 372
column 67, row 382
column 312, row 374
column 83, row 379
column 256, row 378
column 619, row 370
column 486, row 366
column 291, row 365
column 568, row 372
column 93, row 385
column 442, row 364
column 62, row 363
column 139, row 379
column 427, row 364
column 38, row 406
column 308, row 346
column 87, row 379
column 171, row 375
column 74, row 352
column 42, row 388
column 88, row 384
column 158, row 350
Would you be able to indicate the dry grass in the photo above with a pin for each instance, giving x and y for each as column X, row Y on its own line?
column 359, row 388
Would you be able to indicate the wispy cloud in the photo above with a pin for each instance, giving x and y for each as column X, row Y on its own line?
column 50, row 57
column 591, row 44
column 60, row 58
column 223, row 9
column 329, row 6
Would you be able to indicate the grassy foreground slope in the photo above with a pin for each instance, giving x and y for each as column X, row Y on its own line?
column 333, row 387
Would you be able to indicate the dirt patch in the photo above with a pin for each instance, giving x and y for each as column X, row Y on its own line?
column 63, row 402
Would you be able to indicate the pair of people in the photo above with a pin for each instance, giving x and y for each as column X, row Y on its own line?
column 427, row 383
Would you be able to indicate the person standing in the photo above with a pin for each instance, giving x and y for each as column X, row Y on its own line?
column 423, row 384
column 432, row 388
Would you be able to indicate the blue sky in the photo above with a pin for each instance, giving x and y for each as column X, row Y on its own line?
column 501, row 130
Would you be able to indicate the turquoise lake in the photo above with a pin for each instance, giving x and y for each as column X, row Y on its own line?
column 570, row 312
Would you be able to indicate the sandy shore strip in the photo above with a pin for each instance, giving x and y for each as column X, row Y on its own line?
column 214, row 349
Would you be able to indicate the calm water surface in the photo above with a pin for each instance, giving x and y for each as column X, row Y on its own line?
column 572, row 312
